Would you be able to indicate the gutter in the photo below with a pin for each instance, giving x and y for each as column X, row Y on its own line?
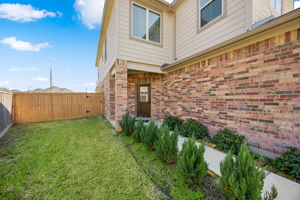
column 291, row 16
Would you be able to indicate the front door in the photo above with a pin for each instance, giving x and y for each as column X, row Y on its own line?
column 144, row 100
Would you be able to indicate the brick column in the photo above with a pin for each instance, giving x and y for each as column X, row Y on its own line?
column 121, row 97
column 108, row 88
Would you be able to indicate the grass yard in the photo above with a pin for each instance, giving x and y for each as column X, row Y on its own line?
column 73, row 159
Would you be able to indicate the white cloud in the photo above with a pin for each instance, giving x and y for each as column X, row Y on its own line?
column 18, row 69
column 297, row 4
column 2, row 83
column 89, row 12
column 20, row 45
column 24, row 13
column 59, row 14
column 39, row 78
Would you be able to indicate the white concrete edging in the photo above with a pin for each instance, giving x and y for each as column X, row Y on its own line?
column 287, row 189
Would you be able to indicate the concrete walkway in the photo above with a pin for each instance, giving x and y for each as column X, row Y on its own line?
column 287, row 190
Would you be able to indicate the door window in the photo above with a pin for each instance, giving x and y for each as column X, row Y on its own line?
column 144, row 94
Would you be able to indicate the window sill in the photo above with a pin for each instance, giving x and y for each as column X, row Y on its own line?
column 146, row 42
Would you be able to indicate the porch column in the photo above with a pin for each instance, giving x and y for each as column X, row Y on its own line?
column 121, row 98
column 111, row 96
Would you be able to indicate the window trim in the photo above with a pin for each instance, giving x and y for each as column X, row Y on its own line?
column 147, row 41
column 214, row 21
column 276, row 6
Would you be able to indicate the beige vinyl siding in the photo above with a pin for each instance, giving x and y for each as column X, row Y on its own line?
column 190, row 41
column 112, row 45
column 287, row 6
column 140, row 51
column 262, row 9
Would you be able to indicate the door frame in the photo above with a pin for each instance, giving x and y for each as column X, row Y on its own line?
column 137, row 98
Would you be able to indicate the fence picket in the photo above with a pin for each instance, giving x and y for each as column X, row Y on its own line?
column 37, row 107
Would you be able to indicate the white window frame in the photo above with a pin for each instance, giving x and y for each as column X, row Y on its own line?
column 276, row 6
column 214, row 20
column 147, row 24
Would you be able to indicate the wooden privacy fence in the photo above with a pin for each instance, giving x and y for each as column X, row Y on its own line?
column 38, row 107
column 5, row 111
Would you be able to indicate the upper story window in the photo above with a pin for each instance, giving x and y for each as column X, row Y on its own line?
column 209, row 10
column 146, row 24
column 276, row 4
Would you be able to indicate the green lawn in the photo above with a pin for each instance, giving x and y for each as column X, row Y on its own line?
column 73, row 159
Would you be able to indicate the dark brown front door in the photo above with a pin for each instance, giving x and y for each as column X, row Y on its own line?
column 144, row 100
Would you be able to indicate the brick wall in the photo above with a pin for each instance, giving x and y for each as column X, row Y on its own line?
column 107, row 86
column 121, row 96
column 156, row 96
column 254, row 90
column 114, row 88
column 111, row 100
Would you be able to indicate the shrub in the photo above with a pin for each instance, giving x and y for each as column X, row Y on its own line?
column 192, row 128
column 149, row 135
column 138, row 128
column 173, row 122
column 127, row 124
column 191, row 163
column 241, row 179
column 289, row 162
column 227, row 140
column 166, row 145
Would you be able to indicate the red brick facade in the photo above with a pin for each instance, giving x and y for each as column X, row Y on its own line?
column 254, row 90
column 156, row 81
column 114, row 87
column 121, row 96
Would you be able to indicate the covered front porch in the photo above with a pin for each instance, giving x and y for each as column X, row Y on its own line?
column 134, row 87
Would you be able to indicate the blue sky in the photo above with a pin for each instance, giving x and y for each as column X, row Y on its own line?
column 36, row 35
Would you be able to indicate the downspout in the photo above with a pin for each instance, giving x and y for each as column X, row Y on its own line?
column 174, row 33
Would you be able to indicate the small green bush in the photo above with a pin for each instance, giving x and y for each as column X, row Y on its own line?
column 149, row 135
column 127, row 124
column 192, row 128
column 289, row 163
column 172, row 122
column 191, row 163
column 183, row 191
column 138, row 128
column 166, row 145
column 227, row 140
column 241, row 179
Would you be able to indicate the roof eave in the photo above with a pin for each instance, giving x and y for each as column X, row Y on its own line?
column 163, row 2
column 105, row 19
column 175, row 3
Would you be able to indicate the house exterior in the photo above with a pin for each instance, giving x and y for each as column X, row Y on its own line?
column 227, row 63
